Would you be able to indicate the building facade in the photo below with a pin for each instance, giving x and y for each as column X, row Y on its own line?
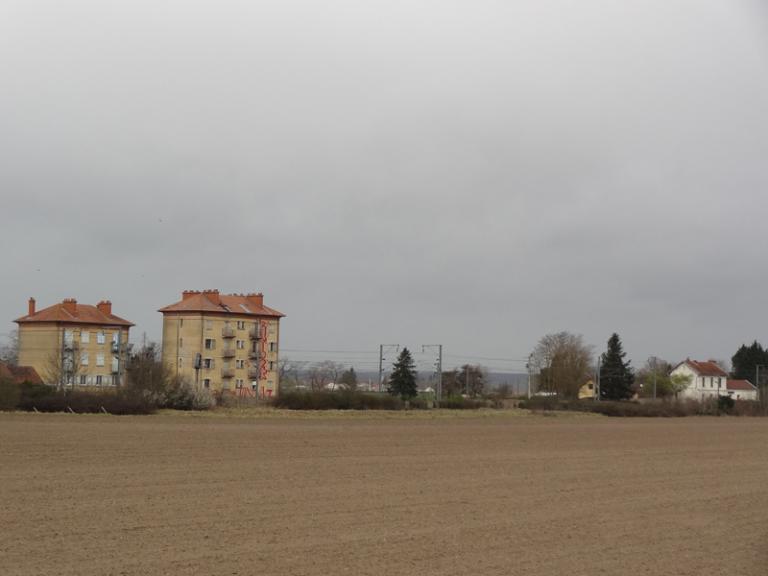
column 223, row 342
column 707, row 379
column 71, row 344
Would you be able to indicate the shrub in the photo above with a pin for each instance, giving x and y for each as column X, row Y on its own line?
column 461, row 403
column 725, row 404
column 336, row 400
column 9, row 394
column 90, row 402
column 181, row 395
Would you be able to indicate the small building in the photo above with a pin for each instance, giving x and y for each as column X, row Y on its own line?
column 707, row 379
column 223, row 342
column 72, row 344
column 741, row 390
column 587, row 391
column 19, row 374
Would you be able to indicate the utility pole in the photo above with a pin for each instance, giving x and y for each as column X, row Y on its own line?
column 382, row 348
column 439, row 366
column 466, row 380
column 529, row 367
column 654, row 377
column 597, row 383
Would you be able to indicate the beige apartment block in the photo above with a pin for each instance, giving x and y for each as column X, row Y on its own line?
column 223, row 342
column 71, row 344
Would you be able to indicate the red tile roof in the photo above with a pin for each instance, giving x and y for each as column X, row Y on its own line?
column 20, row 374
column 73, row 313
column 212, row 301
column 740, row 385
column 708, row 368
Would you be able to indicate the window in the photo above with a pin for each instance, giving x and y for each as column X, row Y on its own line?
column 240, row 344
column 98, row 380
column 239, row 383
column 181, row 361
column 206, row 383
column 181, row 322
column 241, row 325
column 99, row 359
column 239, row 363
column 273, row 346
column 85, row 337
column 271, row 366
column 181, row 342
column 210, row 343
column 100, row 338
column 209, row 324
column 84, row 359
column 208, row 363
column 82, row 380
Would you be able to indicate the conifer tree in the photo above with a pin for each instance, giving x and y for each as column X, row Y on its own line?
column 402, row 381
column 616, row 375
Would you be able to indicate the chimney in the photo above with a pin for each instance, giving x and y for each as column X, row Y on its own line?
column 187, row 294
column 213, row 296
column 70, row 305
column 31, row 311
column 105, row 307
column 256, row 299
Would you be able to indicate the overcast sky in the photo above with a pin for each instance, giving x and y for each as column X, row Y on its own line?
column 474, row 173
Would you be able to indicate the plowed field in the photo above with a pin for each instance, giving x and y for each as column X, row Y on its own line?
column 499, row 495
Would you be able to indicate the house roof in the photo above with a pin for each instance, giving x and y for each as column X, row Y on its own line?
column 213, row 302
column 707, row 368
column 740, row 385
column 20, row 374
column 70, row 312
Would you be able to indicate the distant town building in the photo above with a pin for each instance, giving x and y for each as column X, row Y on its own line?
column 741, row 390
column 19, row 374
column 71, row 344
column 223, row 342
column 707, row 379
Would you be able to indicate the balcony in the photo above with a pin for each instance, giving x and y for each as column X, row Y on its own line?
column 254, row 372
column 227, row 332
column 227, row 372
column 255, row 333
column 228, row 352
column 254, row 355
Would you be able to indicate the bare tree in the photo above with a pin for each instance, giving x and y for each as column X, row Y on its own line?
column 147, row 374
column 64, row 367
column 288, row 372
column 564, row 363
column 9, row 351
column 323, row 373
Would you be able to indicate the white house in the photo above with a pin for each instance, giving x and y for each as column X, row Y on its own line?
column 742, row 390
column 708, row 380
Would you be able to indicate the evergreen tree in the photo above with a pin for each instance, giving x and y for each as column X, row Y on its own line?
column 746, row 360
column 616, row 375
column 402, row 381
column 349, row 379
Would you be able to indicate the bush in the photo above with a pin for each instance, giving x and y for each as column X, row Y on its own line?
column 9, row 394
column 461, row 403
column 32, row 393
column 663, row 409
column 336, row 400
column 725, row 404
column 88, row 402
column 181, row 395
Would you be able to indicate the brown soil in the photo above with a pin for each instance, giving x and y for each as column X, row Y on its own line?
column 178, row 495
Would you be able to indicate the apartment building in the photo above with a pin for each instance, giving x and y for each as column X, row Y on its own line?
column 72, row 344
column 223, row 342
